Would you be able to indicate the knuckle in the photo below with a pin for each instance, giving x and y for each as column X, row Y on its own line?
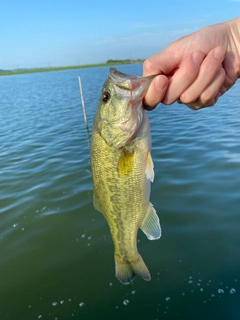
column 208, row 101
column 187, row 97
column 206, row 97
column 147, row 65
column 188, row 75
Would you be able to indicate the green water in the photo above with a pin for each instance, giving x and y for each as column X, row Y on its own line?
column 56, row 252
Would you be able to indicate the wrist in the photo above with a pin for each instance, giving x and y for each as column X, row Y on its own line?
column 234, row 26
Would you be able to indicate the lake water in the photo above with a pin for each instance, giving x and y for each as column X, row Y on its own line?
column 56, row 252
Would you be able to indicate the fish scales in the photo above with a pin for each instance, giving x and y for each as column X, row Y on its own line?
column 122, row 172
column 118, row 191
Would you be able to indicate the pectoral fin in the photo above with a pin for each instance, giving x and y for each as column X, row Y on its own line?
column 151, row 225
column 149, row 167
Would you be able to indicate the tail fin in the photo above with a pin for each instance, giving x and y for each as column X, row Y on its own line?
column 127, row 269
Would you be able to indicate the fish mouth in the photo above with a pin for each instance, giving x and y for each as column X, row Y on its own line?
column 135, row 84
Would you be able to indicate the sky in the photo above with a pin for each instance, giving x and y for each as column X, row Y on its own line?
column 50, row 33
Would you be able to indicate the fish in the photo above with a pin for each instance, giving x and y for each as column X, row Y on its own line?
column 122, row 170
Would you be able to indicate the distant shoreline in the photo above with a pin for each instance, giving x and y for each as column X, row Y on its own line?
column 108, row 63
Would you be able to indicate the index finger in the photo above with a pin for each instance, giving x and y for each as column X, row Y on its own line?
column 160, row 63
column 156, row 92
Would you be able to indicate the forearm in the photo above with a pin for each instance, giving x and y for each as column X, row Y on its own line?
column 234, row 26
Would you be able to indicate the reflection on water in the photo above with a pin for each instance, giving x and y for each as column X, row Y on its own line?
column 56, row 253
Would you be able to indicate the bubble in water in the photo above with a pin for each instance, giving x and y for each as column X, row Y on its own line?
column 168, row 298
column 220, row 291
column 62, row 302
column 110, row 284
column 134, row 291
column 125, row 302
column 15, row 225
column 81, row 304
column 190, row 281
column 201, row 289
column 54, row 304
column 40, row 316
column 232, row 291
column 83, row 235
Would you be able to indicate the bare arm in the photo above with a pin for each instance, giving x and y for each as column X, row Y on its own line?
column 196, row 69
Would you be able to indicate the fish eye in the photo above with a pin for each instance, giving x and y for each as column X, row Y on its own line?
column 105, row 96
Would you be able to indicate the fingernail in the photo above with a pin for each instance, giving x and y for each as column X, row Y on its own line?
column 219, row 53
column 161, row 83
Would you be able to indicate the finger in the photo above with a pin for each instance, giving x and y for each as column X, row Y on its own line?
column 163, row 62
column 155, row 92
column 208, row 71
column 211, row 94
column 213, row 89
column 184, row 76
column 198, row 105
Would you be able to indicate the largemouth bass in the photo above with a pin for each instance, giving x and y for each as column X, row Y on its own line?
column 122, row 169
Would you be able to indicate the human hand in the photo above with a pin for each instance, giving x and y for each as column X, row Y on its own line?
column 199, row 67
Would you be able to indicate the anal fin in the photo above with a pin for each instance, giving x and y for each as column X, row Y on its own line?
column 151, row 225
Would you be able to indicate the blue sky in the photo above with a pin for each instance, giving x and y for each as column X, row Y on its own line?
column 69, row 32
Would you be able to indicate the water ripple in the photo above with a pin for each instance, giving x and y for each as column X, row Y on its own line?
column 55, row 247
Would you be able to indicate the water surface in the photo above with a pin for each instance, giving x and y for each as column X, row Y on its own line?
column 56, row 253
